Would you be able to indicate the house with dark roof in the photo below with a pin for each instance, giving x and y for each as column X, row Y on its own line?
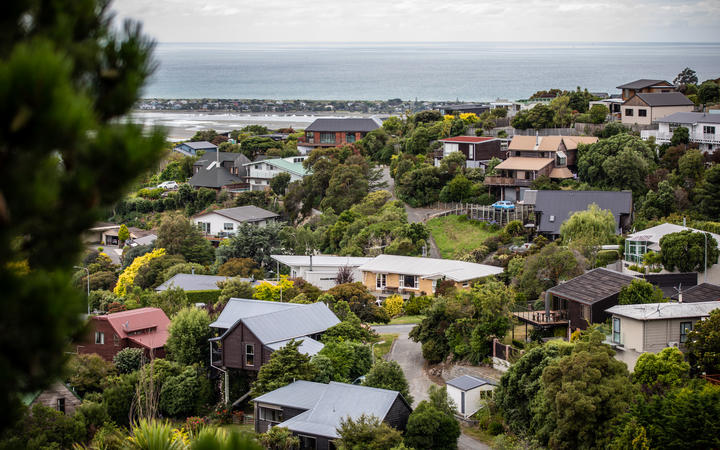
column 58, row 396
column 224, row 223
column 552, row 208
column 645, row 86
column 145, row 328
column 703, row 292
column 643, row 109
column 465, row 108
column 248, row 331
column 191, row 148
column 334, row 132
column 313, row 411
column 703, row 129
column 478, row 150
column 468, row 393
column 220, row 170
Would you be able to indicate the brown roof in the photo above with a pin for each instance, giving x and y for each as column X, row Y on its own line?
column 524, row 163
column 704, row 292
column 561, row 172
column 593, row 286
column 549, row 143
column 644, row 83
column 522, row 143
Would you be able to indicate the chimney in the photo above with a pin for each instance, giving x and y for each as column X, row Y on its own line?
column 310, row 262
column 537, row 138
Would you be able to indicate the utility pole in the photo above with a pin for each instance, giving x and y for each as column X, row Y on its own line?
column 87, row 271
column 705, row 269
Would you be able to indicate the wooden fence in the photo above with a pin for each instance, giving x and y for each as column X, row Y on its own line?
column 505, row 352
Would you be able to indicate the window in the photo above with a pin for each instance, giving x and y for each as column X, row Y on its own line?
column 616, row 330
column 409, row 281
column 586, row 313
column 642, row 112
column 270, row 415
column 116, row 340
column 307, row 442
column 673, row 125
column 685, row 328
column 634, row 250
column 349, row 137
column 628, row 112
column 99, row 338
column 249, row 354
column 228, row 226
column 310, row 137
column 204, row 227
column 327, row 138
column 61, row 405
column 380, row 281
column 708, row 130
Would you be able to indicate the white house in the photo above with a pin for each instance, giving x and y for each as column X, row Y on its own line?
column 468, row 393
column 261, row 172
column 224, row 222
column 321, row 270
column 703, row 128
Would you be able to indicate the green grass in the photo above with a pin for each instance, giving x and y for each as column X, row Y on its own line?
column 244, row 428
column 404, row 320
column 455, row 234
column 381, row 350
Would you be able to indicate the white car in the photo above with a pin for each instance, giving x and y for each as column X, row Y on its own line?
column 168, row 185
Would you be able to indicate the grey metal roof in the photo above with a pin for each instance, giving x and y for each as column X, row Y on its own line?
column 704, row 292
column 214, row 177
column 192, row 282
column 144, row 240
column 641, row 84
column 248, row 213
column 241, row 308
column 291, row 323
column 659, row 311
column 321, row 260
column 349, row 124
column 208, row 158
column 593, row 286
column 690, row 118
column 301, row 394
column 431, row 268
column 562, row 204
column 666, row 99
column 468, row 382
column 201, row 145
column 308, row 346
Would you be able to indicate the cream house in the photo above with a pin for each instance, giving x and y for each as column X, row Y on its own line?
column 321, row 270
column 643, row 109
column 469, row 392
column 651, row 327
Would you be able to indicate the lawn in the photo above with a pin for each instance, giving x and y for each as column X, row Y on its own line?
column 454, row 234
column 244, row 428
column 404, row 320
column 381, row 350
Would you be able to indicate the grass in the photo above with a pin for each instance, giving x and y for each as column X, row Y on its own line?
column 455, row 234
column 478, row 434
column 381, row 350
column 404, row 320
column 244, row 428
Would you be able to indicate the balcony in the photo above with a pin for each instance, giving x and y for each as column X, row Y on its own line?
column 665, row 137
column 506, row 181
column 539, row 318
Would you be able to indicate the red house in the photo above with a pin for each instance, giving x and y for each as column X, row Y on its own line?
column 335, row 132
column 145, row 328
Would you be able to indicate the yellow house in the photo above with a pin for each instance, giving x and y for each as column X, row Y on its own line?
column 387, row 275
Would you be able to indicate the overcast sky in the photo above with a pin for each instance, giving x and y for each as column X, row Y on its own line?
column 426, row 20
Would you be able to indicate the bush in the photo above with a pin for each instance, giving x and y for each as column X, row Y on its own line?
column 393, row 305
column 208, row 297
column 605, row 257
column 417, row 305
column 128, row 360
column 496, row 428
column 636, row 268
column 185, row 394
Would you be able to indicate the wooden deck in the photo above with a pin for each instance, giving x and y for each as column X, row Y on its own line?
column 539, row 318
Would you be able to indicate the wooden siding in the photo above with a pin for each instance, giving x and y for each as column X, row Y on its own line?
column 397, row 416
column 50, row 396
column 107, row 350
column 233, row 349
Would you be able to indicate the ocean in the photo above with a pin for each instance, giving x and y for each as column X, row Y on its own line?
column 476, row 71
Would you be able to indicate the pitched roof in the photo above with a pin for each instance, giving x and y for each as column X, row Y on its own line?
column 249, row 213
column 200, row 145
column 704, row 292
column 468, row 382
column 660, row 311
column 140, row 319
column 654, row 234
column 430, row 268
column 344, row 124
column 214, row 177
column 209, row 158
column 560, row 205
column 690, row 118
column 665, row 99
column 291, row 323
column 641, row 84
column 192, row 282
column 524, row 163
column 308, row 345
column 241, row 308
column 321, row 260
column 333, row 402
column 282, row 164
column 593, row 286
column 548, row 143
column 470, row 139
column 561, row 172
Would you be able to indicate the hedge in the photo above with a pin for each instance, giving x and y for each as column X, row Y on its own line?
column 209, row 296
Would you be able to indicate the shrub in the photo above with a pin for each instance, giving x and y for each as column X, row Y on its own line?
column 128, row 360
column 393, row 305
column 127, row 277
column 417, row 305
column 185, row 394
column 496, row 428
column 605, row 257
column 514, row 228
column 636, row 268
column 208, row 297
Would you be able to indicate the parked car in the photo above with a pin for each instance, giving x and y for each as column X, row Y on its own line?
column 504, row 205
column 168, row 185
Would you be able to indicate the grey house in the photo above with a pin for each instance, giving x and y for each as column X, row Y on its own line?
column 219, row 170
column 313, row 411
column 191, row 148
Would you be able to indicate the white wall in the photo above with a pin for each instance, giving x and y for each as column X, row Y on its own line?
column 217, row 223
column 323, row 276
column 473, row 401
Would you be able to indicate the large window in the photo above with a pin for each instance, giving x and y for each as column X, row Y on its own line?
column 310, row 137
column 228, row 226
column 204, row 227
column 99, row 338
column 629, row 112
column 307, row 443
column 249, row 354
column 327, row 138
column 349, row 138
column 409, row 281
column 642, row 112
column 685, row 328
column 616, row 330
column 634, row 250
column 380, row 280
column 270, row 414
column 708, row 130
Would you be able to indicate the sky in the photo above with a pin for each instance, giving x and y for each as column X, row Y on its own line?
column 426, row 20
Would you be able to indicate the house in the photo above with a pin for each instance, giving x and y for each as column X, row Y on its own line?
column 651, row 327
column 148, row 239
column 192, row 282
column 145, row 328
column 321, row 270
column 58, row 396
column 261, row 172
column 669, row 283
column 552, row 208
column 703, row 128
column 703, row 292
column 95, row 234
column 531, row 157
column 645, row 86
column 579, row 302
column 468, row 393
column 614, row 105
column 643, row 109
column 191, row 148
column 224, row 222
column 110, row 236
column 388, row 275
column 478, row 150
column 640, row 242
column 248, row 331
column 334, row 132
column 465, row 108
column 220, row 170
column 313, row 411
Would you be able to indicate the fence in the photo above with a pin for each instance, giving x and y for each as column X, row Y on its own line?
column 546, row 132
column 505, row 352
column 487, row 213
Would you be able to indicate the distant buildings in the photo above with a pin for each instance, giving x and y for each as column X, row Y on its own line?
column 703, row 128
column 224, row 222
column 191, row 148
column 478, row 150
column 335, row 132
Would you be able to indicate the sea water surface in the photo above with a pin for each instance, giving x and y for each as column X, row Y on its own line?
column 474, row 71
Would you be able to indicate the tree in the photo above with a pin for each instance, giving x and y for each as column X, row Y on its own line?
column 708, row 193
column 640, row 291
column 360, row 300
column 285, row 366
column 388, row 375
column 546, row 268
column 185, row 394
column 69, row 69
column 686, row 76
column 708, row 92
column 459, row 189
column 128, row 360
column 588, row 230
column 88, row 372
column 282, row 290
column 349, row 360
column 541, row 116
column 189, row 332
column 367, row 432
column 666, row 369
column 393, row 305
column 681, row 135
column 347, row 186
column 432, row 424
column 659, row 203
column 704, row 345
column 251, row 241
column 123, row 234
column 279, row 183
column 691, row 166
column 240, row 267
column 178, row 236
column 279, row 438
column 686, row 249
column 235, row 288
column 598, row 113
column 344, row 275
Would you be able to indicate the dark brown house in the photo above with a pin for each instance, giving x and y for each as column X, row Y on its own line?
column 645, row 86
column 478, row 150
column 335, row 132
column 313, row 411
column 145, row 328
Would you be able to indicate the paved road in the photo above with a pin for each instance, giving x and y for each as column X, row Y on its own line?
column 409, row 355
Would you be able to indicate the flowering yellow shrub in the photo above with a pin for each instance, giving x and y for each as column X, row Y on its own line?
column 394, row 305
column 469, row 118
column 127, row 277
column 448, row 118
column 273, row 292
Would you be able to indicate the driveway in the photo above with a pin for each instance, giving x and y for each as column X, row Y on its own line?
column 409, row 355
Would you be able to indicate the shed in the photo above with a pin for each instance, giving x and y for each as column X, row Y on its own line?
column 467, row 392
column 58, row 396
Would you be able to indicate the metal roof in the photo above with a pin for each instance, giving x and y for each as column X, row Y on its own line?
column 468, row 382
column 524, row 163
column 431, row 268
column 192, row 282
column 241, row 308
column 308, row 346
column 282, row 164
column 248, row 213
column 704, row 292
column 291, row 323
column 659, row 311
column 690, row 118
column 344, row 124
column 301, row 394
column 321, row 260
column 642, row 83
column 200, row 145
column 654, row 234
column 211, row 157
column 665, row 99
column 214, row 177
column 470, row 139
column 593, row 286
column 125, row 322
